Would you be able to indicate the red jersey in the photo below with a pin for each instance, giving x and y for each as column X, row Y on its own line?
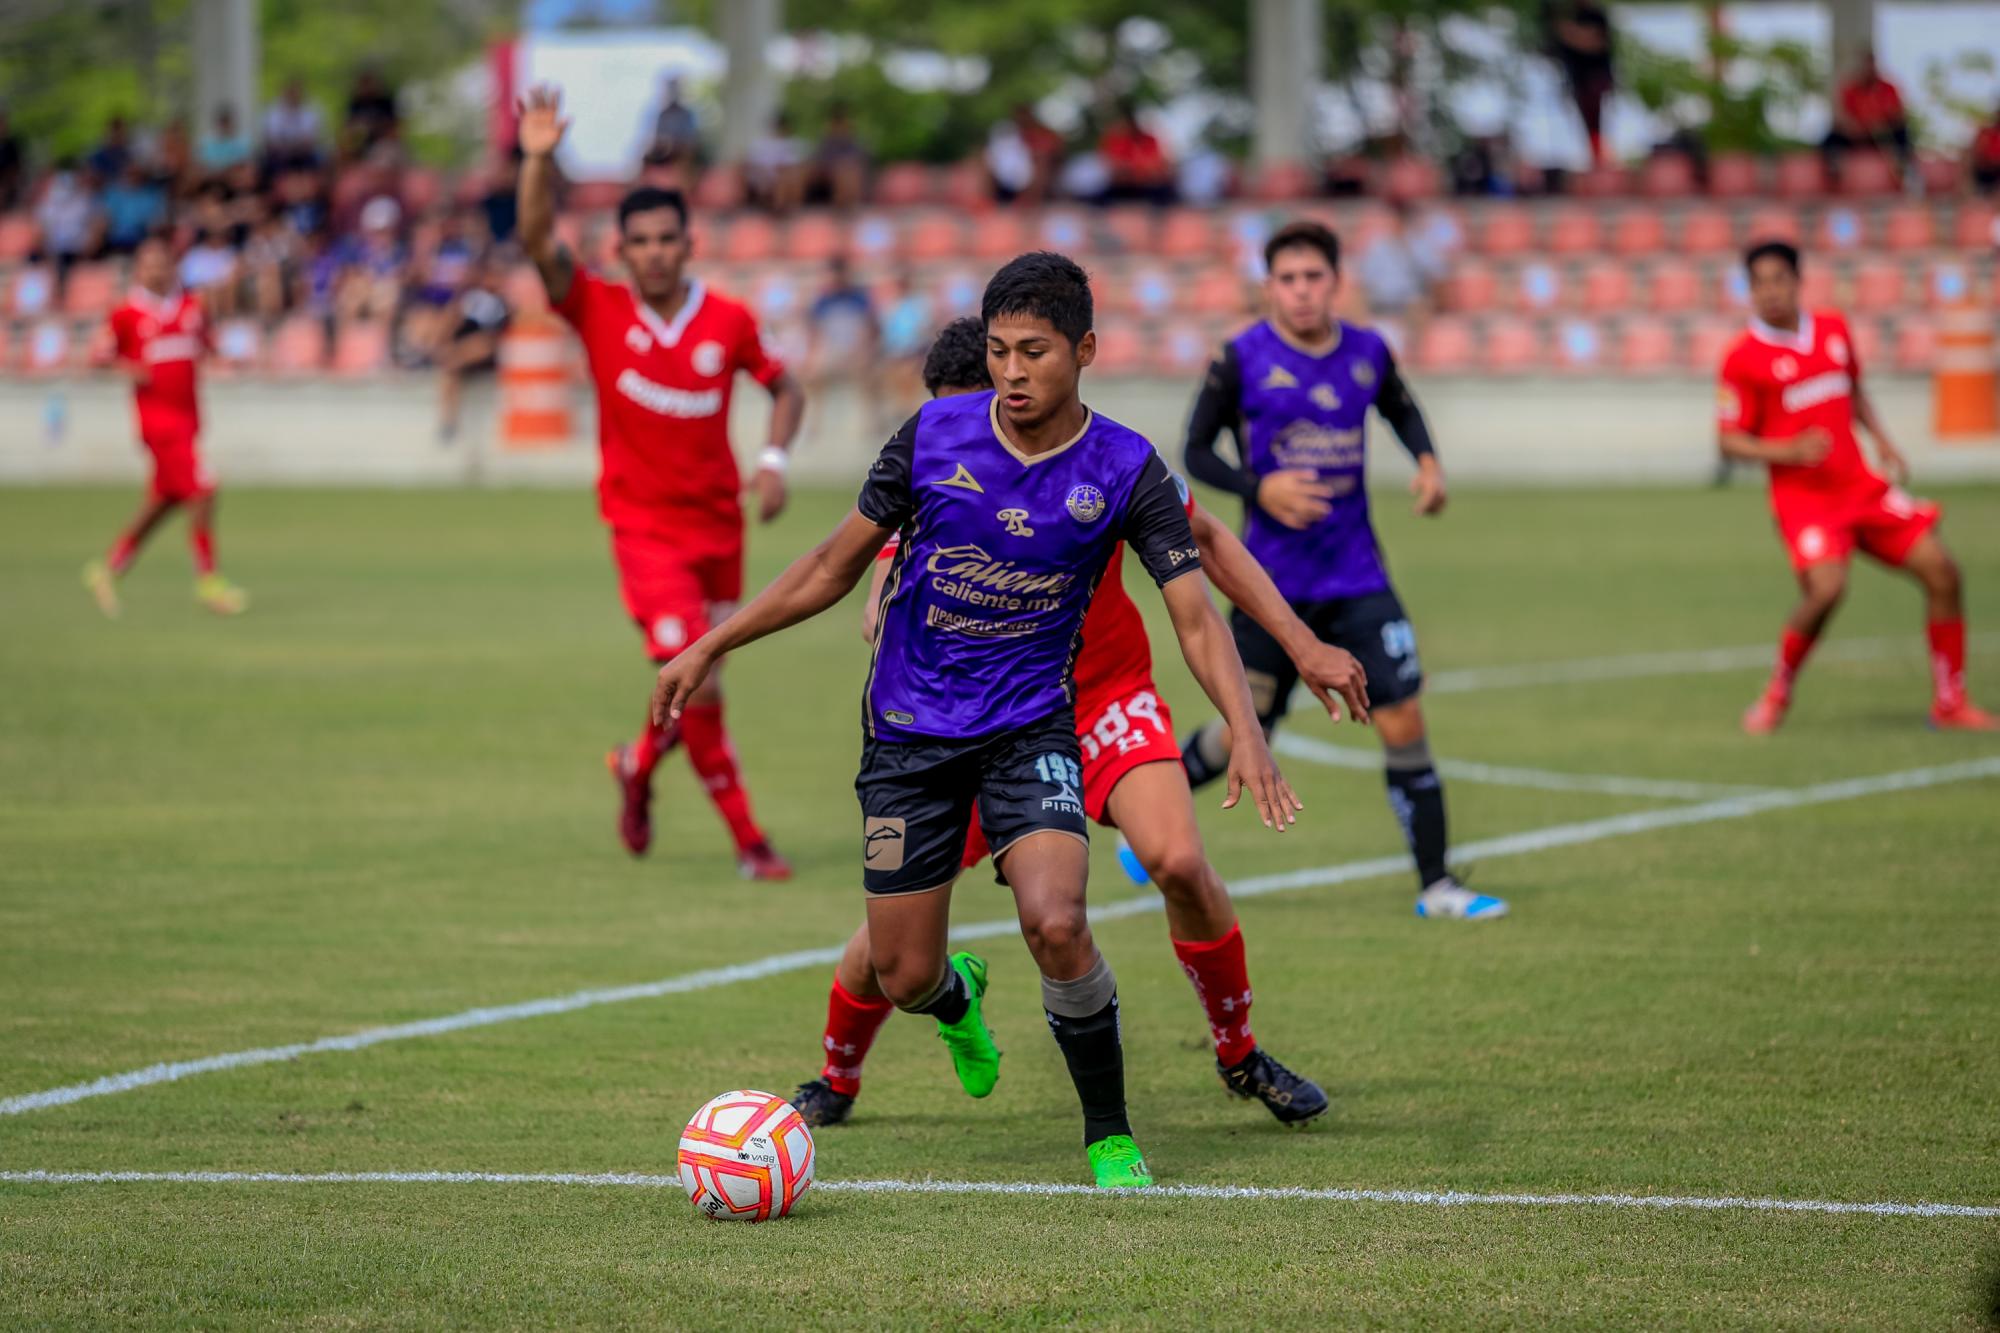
column 166, row 334
column 1873, row 106
column 1776, row 385
column 663, row 393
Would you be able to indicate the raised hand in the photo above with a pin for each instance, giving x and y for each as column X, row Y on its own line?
column 542, row 124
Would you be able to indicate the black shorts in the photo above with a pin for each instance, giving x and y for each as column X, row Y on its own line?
column 1372, row 627
column 917, row 799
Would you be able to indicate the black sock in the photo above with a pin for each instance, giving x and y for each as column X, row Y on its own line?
column 1096, row 1061
column 951, row 999
column 1197, row 755
column 1417, row 797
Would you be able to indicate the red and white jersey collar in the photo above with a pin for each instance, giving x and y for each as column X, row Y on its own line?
column 1799, row 341
column 665, row 334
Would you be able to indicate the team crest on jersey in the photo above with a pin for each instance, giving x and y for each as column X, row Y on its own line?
column 1085, row 503
column 1785, row 367
column 706, row 358
column 1280, row 378
column 1325, row 398
column 1016, row 521
column 640, row 341
column 962, row 479
column 1363, row 373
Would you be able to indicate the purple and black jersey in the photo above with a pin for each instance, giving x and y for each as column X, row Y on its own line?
column 1291, row 409
column 983, row 611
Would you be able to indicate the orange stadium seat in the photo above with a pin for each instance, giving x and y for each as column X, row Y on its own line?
column 1801, row 175
column 999, row 236
column 814, row 238
column 748, row 238
column 1216, row 292
column 32, row 292
column 91, row 291
column 1445, row 346
column 966, row 187
column 1505, row 230
column 1735, row 176
column 1941, row 175
column 1709, row 341
column 1471, row 288
column 718, row 190
column 1705, row 231
column 51, row 348
column 1121, row 348
column 1818, row 286
column 1879, row 286
column 18, row 237
column 299, row 346
column 1673, row 286
column 1841, row 228
column 1866, row 173
column 934, row 237
column 1646, row 346
column 1280, row 183
column 1869, row 347
column 1977, row 226
column 1774, row 224
column 1605, row 182
column 1412, row 178
column 1131, row 229
column 1915, row 347
column 1579, row 345
column 903, row 185
column 1575, row 231
column 1511, row 347
column 361, row 348
column 1667, row 175
column 1538, row 288
column 1607, row 287
column 1638, row 231
column 1187, row 234
column 1909, row 227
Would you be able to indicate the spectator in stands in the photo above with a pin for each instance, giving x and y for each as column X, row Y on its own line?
column 133, row 205
column 1579, row 35
column 676, row 129
column 1401, row 268
column 371, row 265
column 1477, row 168
column 775, row 172
column 499, row 205
column 471, row 346
column 107, row 160
column 300, row 197
column 292, row 130
column 71, row 222
column 1868, row 114
column 1982, row 157
column 1022, row 157
column 441, row 265
column 372, row 117
column 1139, row 167
column 270, row 264
column 13, row 165
column 209, row 268
column 842, row 331
column 840, row 163
column 173, row 160
column 906, row 329
column 225, row 145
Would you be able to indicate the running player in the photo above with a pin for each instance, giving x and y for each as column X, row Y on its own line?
column 664, row 353
column 1132, row 780
column 1010, row 504
column 1295, row 390
column 1790, row 398
column 157, row 337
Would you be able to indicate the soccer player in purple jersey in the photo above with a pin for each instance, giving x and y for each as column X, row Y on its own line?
column 1295, row 390
column 1009, row 504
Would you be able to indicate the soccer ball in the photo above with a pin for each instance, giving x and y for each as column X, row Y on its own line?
column 746, row 1157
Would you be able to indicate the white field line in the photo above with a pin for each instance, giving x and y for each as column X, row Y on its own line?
column 1515, row 844
column 1419, row 1198
column 1316, row 751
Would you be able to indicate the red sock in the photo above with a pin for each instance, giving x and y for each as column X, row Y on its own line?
column 1222, row 983
column 1947, row 664
column 122, row 552
column 851, row 1024
column 202, row 538
column 714, row 759
column 1793, row 649
column 653, row 744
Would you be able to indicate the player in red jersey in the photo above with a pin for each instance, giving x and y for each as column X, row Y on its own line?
column 1132, row 780
column 1791, row 395
column 664, row 352
column 156, row 337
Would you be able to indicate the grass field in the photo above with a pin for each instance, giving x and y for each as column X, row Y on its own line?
column 378, row 799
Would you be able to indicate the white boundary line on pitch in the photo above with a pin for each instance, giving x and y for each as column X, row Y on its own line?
column 1316, row 751
column 1419, row 1198
column 1514, row 844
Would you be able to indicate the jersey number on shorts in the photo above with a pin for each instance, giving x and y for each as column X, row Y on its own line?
column 1061, row 772
column 1400, row 642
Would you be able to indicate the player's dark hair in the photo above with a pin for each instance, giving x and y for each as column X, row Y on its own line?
column 957, row 359
column 1304, row 233
column 648, row 198
column 1774, row 249
column 1043, row 285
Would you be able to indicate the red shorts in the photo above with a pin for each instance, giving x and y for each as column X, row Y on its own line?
column 178, row 472
column 1822, row 530
column 673, row 593
column 1120, row 728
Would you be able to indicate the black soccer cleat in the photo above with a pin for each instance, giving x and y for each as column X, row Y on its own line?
column 1292, row 1099
column 818, row 1104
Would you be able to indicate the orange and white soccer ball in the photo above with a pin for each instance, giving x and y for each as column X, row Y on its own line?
column 746, row 1157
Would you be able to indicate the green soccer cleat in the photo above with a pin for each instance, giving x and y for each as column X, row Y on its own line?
column 1117, row 1164
column 973, row 1054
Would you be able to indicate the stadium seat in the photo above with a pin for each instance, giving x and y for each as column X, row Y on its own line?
column 1705, row 231
column 1538, row 288
column 1064, row 230
column 239, row 345
column 1471, row 288
column 1284, row 182
column 1150, row 293
column 1575, row 231
column 1909, row 227
column 999, row 236
column 1800, row 175
column 1864, row 173
column 1673, row 286
column 361, row 348
column 1216, row 293
column 933, row 237
column 1511, row 347
column 1915, row 348
column 1735, row 176
column 1667, row 175
column 1605, row 182
column 966, row 187
column 747, row 238
column 1638, row 232
column 1130, row 229
column 1646, row 346
column 812, row 238
column 874, row 237
column 1773, row 224
column 299, row 346
column 1879, row 286
column 1121, row 348
column 1708, row 341
column 50, row 348
column 1947, row 283
column 1579, row 345
column 1977, row 226
column 1841, row 229
column 91, row 292
column 1818, row 286
column 1942, row 176
column 18, row 237
column 1504, row 230
column 958, row 292
column 1411, row 178
column 1187, row 234
column 903, row 185
column 1730, row 287
column 1445, row 346
column 1607, row 287
column 719, row 190
column 1869, row 347
column 32, row 292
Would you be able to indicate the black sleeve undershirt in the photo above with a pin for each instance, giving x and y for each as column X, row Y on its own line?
column 1219, row 407
column 1400, row 410
column 1156, row 525
column 888, row 499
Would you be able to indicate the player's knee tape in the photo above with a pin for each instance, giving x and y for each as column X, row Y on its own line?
column 1408, row 758
column 1081, row 998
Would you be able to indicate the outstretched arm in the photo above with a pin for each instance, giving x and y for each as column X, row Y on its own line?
column 541, row 129
column 812, row 583
column 1327, row 671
